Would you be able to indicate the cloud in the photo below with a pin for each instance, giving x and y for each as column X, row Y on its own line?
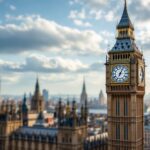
column 36, row 33
column 81, row 23
column 43, row 64
column 12, row 7
column 74, row 14
column 94, row 9
column 91, row 3
column 146, row 3
column 79, row 17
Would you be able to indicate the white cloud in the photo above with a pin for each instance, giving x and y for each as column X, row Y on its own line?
column 36, row 33
column 93, row 9
column 57, row 64
column 90, row 3
column 96, row 14
column 110, row 16
column 40, row 63
column 12, row 7
column 74, row 14
column 82, row 23
column 43, row 64
column 10, row 79
column 146, row 3
column 79, row 17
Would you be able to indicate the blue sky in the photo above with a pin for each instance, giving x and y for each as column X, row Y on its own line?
column 62, row 41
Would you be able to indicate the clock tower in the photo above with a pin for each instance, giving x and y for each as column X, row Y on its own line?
column 125, row 87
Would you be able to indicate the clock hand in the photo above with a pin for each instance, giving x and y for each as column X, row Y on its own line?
column 120, row 72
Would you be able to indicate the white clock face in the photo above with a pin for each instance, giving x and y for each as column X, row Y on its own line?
column 120, row 73
column 141, row 74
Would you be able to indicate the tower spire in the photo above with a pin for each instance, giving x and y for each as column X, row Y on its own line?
column 125, row 4
column 83, row 94
column 125, row 33
column 125, row 19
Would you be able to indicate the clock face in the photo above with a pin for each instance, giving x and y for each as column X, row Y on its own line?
column 141, row 74
column 120, row 73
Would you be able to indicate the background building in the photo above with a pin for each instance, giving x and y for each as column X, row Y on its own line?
column 102, row 99
column 45, row 95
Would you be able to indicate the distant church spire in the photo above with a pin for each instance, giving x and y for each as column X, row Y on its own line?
column 84, row 86
column 83, row 98
column 37, row 102
column 37, row 87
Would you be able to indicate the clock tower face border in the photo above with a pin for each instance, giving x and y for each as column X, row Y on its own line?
column 127, row 66
column 141, row 74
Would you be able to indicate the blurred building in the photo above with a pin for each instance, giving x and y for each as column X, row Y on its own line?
column 102, row 99
column 45, row 94
column 22, row 128
column 69, row 134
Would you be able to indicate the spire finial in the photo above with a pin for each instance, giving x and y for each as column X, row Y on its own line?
column 125, row 3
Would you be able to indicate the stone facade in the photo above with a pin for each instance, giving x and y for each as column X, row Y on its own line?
column 125, row 86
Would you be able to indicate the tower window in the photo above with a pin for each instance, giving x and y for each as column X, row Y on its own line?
column 117, row 131
column 70, row 140
column 117, row 106
column 126, row 131
column 125, row 106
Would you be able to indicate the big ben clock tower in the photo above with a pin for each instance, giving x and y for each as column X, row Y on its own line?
column 125, row 86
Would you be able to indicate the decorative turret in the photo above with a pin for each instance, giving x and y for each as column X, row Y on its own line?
column 74, row 115
column 72, row 127
column 69, row 117
column 24, row 104
column 25, row 111
column 68, row 109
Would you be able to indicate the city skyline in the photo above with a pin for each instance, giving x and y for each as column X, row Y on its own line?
column 63, row 41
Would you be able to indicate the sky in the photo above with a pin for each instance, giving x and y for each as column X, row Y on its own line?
column 63, row 41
